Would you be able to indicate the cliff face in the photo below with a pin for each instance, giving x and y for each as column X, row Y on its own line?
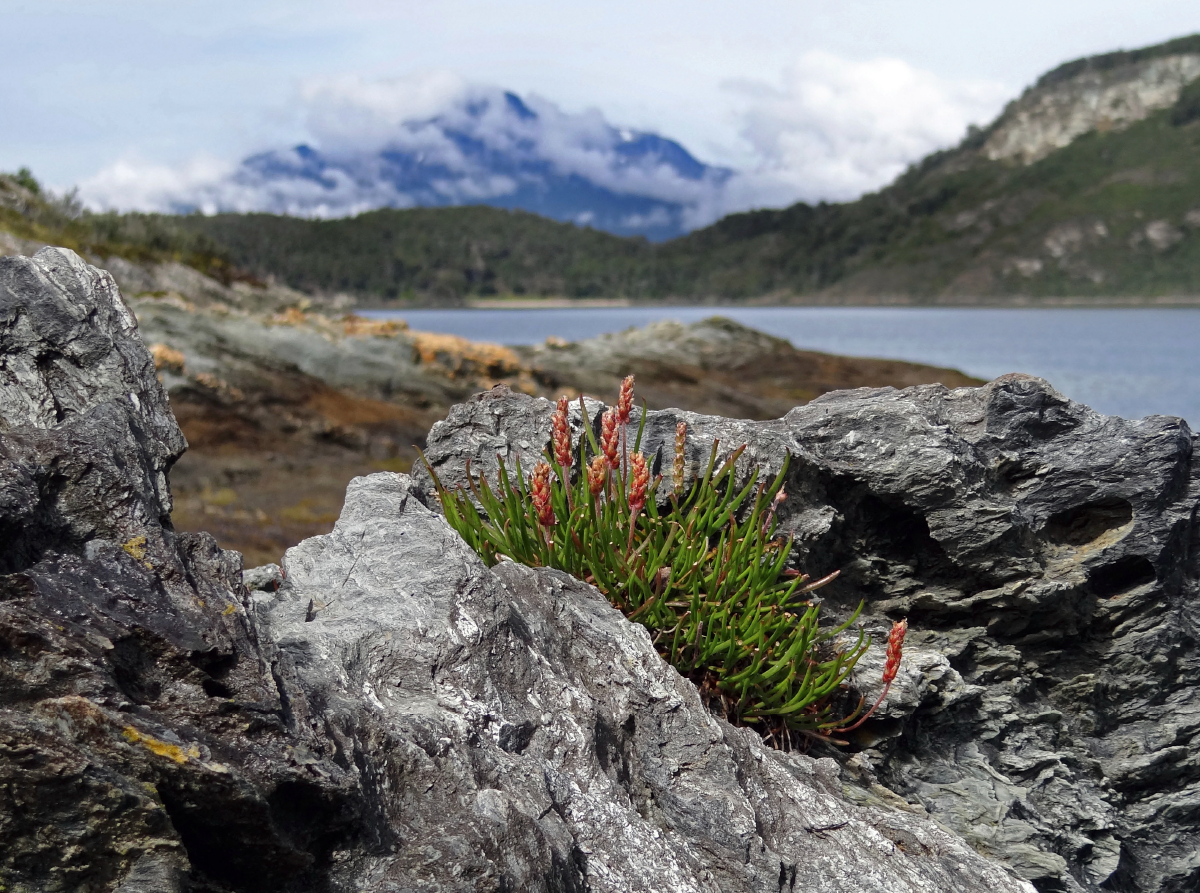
column 1050, row 116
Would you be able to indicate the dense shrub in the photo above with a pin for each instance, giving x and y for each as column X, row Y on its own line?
column 701, row 569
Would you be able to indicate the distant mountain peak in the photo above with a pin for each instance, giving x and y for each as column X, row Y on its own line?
column 492, row 147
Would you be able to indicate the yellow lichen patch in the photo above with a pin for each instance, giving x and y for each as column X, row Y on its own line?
column 292, row 316
column 161, row 748
column 136, row 547
column 167, row 357
column 230, row 609
column 361, row 327
column 458, row 355
column 222, row 387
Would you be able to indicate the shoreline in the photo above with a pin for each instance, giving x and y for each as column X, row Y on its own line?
column 1165, row 302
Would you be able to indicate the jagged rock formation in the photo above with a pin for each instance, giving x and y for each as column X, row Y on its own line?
column 1055, row 111
column 391, row 715
column 1046, row 559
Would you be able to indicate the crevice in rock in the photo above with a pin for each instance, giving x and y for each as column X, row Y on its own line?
column 1121, row 576
column 1087, row 523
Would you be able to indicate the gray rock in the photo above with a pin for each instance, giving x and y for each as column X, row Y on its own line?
column 142, row 738
column 267, row 578
column 1046, row 558
column 395, row 716
column 531, row 738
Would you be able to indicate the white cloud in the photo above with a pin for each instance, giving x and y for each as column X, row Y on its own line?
column 142, row 185
column 832, row 129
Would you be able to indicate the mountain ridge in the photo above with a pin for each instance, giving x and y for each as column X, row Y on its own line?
column 489, row 147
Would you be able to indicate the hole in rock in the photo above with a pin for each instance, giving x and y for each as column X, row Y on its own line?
column 1087, row 523
column 134, row 670
column 309, row 817
column 612, row 747
column 229, row 840
column 1122, row 575
column 515, row 738
column 215, row 689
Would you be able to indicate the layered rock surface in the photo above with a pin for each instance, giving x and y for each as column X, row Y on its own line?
column 391, row 715
column 1052, row 114
column 1046, row 559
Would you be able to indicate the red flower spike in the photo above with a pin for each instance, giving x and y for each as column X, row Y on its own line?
column 597, row 475
column 625, row 400
column 540, row 493
column 638, row 482
column 610, row 438
column 562, row 435
column 894, row 649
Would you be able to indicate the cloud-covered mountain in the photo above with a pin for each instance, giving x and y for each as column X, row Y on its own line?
column 484, row 146
column 830, row 129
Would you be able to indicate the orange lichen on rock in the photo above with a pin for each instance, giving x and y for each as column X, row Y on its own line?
column 354, row 326
column 479, row 361
column 167, row 357
column 222, row 387
column 292, row 316
column 161, row 748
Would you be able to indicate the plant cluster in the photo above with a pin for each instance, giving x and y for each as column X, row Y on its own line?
column 701, row 568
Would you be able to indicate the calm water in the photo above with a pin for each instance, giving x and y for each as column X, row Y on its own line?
column 1131, row 363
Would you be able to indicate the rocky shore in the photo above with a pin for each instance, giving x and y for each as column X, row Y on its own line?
column 385, row 713
column 271, row 386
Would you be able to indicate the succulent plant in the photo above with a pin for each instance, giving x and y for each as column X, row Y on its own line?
column 702, row 570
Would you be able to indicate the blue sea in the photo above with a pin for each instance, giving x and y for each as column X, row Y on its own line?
column 1126, row 362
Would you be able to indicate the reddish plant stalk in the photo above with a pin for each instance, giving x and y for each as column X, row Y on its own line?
column 562, row 435
column 561, row 439
column 625, row 400
column 624, row 410
column 895, row 648
column 639, row 480
column 610, row 442
column 775, row 503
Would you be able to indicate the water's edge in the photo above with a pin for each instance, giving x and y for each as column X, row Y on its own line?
column 1130, row 362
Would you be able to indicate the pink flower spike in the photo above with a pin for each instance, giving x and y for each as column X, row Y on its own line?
column 610, row 438
column 639, row 481
column 562, row 435
column 597, row 475
column 625, row 400
column 540, row 493
column 894, row 650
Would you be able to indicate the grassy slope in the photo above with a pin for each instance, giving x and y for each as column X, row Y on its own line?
column 28, row 212
column 956, row 224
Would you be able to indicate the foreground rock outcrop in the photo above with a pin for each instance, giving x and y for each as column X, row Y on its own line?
column 1046, row 559
column 389, row 715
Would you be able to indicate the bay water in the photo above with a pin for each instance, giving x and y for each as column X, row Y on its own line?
column 1128, row 362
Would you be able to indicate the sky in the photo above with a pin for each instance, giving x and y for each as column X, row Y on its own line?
column 133, row 100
